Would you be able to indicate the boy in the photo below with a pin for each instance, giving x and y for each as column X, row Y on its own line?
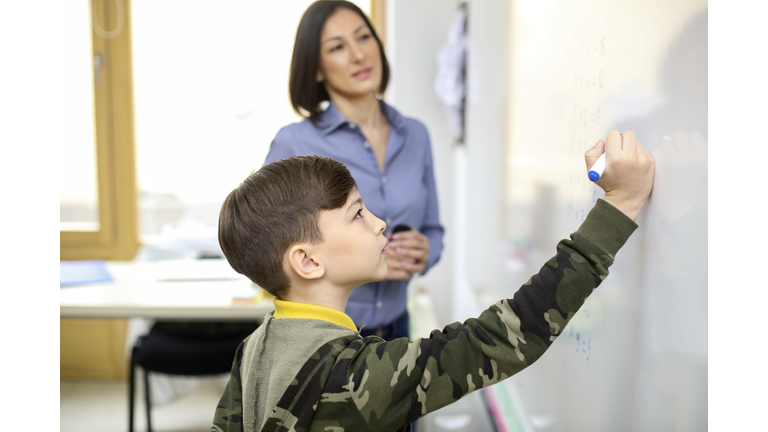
column 299, row 229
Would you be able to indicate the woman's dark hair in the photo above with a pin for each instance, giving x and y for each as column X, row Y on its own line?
column 306, row 93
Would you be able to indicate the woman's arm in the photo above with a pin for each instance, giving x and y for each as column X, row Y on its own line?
column 431, row 227
column 417, row 251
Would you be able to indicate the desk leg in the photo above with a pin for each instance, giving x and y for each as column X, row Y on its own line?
column 131, row 384
column 146, row 394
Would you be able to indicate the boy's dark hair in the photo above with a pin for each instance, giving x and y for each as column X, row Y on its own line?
column 275, row 208
column 306, row 93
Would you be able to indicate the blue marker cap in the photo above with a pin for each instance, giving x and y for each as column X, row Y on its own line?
column 598, row 168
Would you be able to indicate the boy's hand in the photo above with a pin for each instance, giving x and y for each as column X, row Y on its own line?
column 629, row 171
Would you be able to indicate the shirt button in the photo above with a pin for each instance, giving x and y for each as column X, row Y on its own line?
column 367, row 144
column 352, row 126
column 383, row 179
column 389, row 221
column 379, row 304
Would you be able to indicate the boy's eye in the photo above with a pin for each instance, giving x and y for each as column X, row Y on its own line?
column 336, row 48
column 359, row 214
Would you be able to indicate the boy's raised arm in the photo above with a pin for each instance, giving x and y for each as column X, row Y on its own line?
column 394, row 383
column 388, row 385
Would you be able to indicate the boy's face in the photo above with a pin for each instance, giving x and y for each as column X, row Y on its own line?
column 353, row 248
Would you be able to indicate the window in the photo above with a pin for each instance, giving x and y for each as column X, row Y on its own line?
column 98, row 204
column 79, row 207
column 210, row 89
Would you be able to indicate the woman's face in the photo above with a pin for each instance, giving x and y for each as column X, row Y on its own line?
column 350, row 60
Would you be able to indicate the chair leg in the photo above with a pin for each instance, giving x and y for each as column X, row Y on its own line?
column 131, row 381
column 146, row 395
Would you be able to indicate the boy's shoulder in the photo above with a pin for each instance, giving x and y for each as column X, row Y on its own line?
column 269, row 361
column 304, row 404
column 290, row 339
column 272, row 358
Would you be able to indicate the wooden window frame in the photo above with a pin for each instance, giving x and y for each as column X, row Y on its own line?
column 118, row 234
column 378, row 10
column 117, row 237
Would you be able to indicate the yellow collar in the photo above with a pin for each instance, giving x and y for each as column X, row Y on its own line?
column 284, row 309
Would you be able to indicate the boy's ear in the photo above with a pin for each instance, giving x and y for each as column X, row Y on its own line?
column 303, row 263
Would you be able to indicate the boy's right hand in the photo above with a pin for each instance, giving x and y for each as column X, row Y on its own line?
column 629, row 171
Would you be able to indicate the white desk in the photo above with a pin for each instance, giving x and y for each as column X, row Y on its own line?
column 136, row 292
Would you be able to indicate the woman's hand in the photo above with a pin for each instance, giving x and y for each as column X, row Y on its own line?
column 409, row 253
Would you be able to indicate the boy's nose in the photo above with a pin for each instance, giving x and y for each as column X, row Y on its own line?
column 380, row 226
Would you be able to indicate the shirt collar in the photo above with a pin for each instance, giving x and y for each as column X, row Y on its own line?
column 331, row 119
column 395, row 119
column 285, row 309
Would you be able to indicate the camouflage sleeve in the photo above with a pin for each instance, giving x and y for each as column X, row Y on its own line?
column 394, row 383
column 229, row 412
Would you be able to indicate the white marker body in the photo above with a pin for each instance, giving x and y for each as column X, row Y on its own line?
column 598, row 168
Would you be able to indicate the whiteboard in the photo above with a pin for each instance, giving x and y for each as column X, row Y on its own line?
column 634, row 358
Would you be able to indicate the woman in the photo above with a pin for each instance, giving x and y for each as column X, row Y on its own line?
column 337, row 57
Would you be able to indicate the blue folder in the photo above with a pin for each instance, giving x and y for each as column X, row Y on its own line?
column 84, row 273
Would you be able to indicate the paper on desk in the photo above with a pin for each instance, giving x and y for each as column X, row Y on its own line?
column 83, row 273
column 191, row 270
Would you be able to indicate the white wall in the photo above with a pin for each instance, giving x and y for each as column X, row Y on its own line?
column 417, row 30
column 488, row 91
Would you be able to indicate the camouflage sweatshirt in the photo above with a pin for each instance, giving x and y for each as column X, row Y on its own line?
column 351, row 383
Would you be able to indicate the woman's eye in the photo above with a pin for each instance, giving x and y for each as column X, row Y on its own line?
column 359, row 214
column 365, row 36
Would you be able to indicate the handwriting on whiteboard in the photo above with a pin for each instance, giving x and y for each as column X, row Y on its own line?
column 587, row 117
column 582, row 344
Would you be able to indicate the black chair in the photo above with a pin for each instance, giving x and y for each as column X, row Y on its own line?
column 188, row 348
